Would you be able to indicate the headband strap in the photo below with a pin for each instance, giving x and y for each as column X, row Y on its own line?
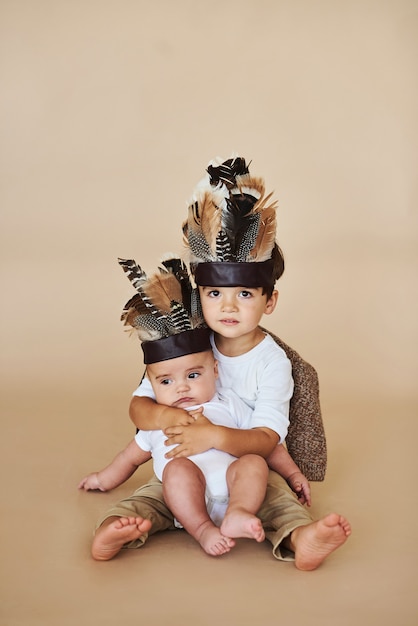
column 231, row 274
column 187, row 342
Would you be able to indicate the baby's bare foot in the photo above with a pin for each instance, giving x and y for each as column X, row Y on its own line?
column 114, row 533
column 212, row 541
column 314, row 542
column 240, row 523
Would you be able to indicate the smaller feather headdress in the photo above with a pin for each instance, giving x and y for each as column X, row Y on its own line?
column 165, row 312
column 230, row 231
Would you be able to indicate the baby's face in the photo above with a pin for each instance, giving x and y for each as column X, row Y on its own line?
column 185, row 381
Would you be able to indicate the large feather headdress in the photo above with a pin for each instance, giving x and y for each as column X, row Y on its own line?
column 230, row 231
column 165, row 312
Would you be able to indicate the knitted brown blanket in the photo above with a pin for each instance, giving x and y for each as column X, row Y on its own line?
column 305, row 440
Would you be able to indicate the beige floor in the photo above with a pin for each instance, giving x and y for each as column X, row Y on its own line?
column 48, row 577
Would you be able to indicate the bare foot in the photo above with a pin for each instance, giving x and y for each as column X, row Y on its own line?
column 114, row 533
column 240, row 523
column 212, row 541
column 314, row 542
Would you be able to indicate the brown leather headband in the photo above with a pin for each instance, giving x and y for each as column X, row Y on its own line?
column 232, row 274
column 187, row 342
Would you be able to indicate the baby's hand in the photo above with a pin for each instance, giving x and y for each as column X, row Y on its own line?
column 91, row 482
column 300, row 485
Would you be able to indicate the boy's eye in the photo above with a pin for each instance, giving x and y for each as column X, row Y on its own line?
column 214, row 293
column 193, row 375
column 245, row 294
column 165, row 381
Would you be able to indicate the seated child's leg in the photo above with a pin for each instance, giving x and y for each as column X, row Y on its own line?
column 247, row 481
column 114, row 533
column 184, row 489
column 313, row 543
column 292, row 531
column 146, row 503
column 281, row 513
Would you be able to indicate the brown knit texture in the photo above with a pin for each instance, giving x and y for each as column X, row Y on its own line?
column 305, row 440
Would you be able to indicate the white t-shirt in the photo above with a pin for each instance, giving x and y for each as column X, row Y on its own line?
column 262, row 378
column 225, row 409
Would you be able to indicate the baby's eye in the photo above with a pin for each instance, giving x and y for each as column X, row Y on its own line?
column 165, row 381
column 193, row 375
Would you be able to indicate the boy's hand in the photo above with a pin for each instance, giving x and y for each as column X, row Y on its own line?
column 300, row 485
column 170, row 417
column 91, row 482
column 191, row 439
column 146, row 414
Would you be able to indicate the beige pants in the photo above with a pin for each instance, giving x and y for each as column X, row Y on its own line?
column 280, row 512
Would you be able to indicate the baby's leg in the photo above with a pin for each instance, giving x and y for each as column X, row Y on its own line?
column 184, row 489
column 112, row 535
column 247, row 483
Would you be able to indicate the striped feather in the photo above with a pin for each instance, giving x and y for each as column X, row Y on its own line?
column 166, row 303
column 230, row 218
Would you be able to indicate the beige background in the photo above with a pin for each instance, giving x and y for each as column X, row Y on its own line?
column 110, row 112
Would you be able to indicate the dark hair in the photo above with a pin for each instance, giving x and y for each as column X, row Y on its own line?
column 278, row 269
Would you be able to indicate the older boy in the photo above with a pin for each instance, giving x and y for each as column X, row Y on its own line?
column 236, row 277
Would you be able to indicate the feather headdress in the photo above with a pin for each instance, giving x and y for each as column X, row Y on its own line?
column 231, row 221
column 165, row 312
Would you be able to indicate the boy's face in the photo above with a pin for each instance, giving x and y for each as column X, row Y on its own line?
column 235, row 311
column 185, row 381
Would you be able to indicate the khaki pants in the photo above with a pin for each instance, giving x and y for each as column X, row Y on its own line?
column 280, row 512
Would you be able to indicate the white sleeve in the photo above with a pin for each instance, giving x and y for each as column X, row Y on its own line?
column 275, row 388
column 144, row 389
